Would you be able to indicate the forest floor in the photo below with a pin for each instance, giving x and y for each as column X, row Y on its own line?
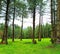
column 26, row 47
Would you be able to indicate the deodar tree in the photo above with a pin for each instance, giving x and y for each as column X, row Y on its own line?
column 22, row 12
column 32, row 6
column 4, row 39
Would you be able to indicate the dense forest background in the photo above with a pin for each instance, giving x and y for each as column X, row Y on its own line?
column 27, row 32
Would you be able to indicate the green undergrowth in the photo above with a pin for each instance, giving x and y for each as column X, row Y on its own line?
column 27, row 47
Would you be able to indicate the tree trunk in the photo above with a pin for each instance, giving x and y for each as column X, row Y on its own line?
column 21, row 29
column 39, row 37
column 4, row 39
column 53, row 22
column 58, row 22
column 6, row 21
column 33, row 25
column 33, row 37
column 13, row 28
column 13, row 22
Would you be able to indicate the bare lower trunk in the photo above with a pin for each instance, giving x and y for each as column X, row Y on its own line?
column 4, row 39
column 58, row 22
column 21, row 29
column 39, row 37
column 13, row 22
column 6, row 22
column 13, row 28
column 53, row 22
column 33, row 37
column 33, row 25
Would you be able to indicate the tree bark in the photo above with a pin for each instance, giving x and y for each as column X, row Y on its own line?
column 13, row 22
column 4, row 38
column 39, row 37
column 33, row 25
column 53, row 22
column 40, row 25
column 33, row 37
column 58, row 21
column 21, row 29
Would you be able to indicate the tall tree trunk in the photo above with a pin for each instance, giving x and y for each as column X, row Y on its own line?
column 13, row 28
column 40, row 24
column 53, row 22
column 6, row 21
column 33, row 37
column 21, row 29
column 58, row 21
column 55, row 33
column 4, row 39
column 13, row 22
column 39, row 37
column 33, row 25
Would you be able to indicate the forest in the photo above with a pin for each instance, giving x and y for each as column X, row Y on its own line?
column 34, row 37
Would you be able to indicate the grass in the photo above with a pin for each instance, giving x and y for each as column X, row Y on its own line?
column 26, row 47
